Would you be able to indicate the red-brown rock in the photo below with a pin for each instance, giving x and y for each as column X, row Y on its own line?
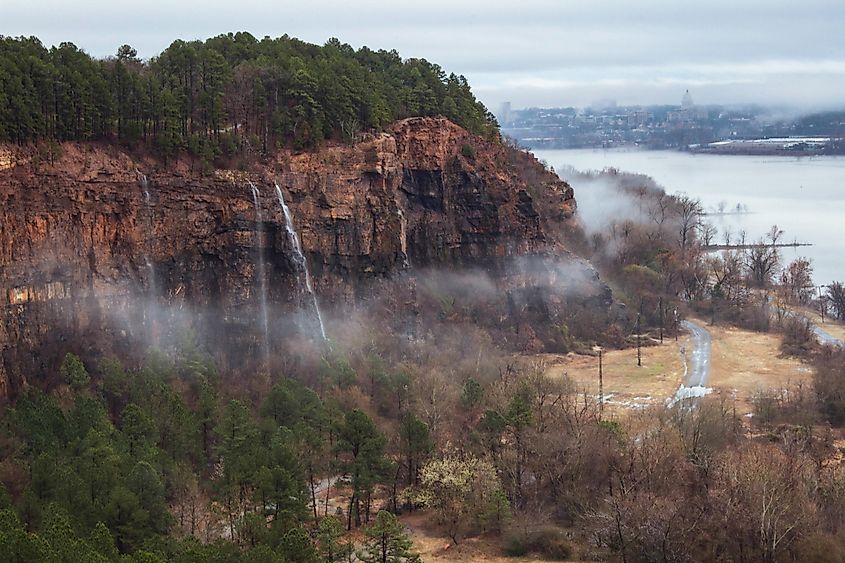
column 76, row 234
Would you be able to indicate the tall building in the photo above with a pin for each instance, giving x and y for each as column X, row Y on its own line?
column 686, row 101
column 505, row 113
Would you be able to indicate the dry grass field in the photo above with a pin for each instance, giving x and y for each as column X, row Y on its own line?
column 626, row 385
column 742, row 363
column 745, row 362
column 433, row 545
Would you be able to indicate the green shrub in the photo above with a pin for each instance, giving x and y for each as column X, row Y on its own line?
column 548, row 542
column 516, row 546
column 552, row 546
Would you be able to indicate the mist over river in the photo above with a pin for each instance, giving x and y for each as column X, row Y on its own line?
column 805, row 197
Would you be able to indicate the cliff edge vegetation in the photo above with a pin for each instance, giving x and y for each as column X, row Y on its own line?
column 222, row 96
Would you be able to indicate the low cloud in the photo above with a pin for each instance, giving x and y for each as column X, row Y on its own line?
column 638, row 53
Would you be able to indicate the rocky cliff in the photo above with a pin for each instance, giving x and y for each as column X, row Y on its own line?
column 97, row 244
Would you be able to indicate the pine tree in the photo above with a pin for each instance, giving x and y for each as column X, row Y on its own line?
column 102, row 542
column 74, row 372
column 387, row 542
column 364, row 463
column 330, row 530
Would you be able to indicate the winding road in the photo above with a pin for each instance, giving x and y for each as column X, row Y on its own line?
column 697, row 369
column 826, row 338
column 697, row 360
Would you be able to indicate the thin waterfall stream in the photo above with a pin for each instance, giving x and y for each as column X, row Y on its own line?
column 403, row 237
column 293, row 236
column 261, row 270
column 152, row 287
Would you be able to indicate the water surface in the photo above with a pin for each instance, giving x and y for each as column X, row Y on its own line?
column 805, row 197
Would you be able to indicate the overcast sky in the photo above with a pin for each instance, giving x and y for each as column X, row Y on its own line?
column 531, row 52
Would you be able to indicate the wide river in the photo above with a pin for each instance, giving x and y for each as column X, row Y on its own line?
column 804, row 197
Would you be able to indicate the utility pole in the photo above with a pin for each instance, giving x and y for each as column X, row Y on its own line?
column 639, row 337
column 821, row 300
column 676, row 325
column 661, row 319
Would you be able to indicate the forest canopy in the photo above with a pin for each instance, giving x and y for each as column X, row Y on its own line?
column 229, row 92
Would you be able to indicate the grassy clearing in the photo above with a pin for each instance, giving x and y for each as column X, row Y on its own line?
column 433, row 545
column 626, row 385
column 745, row 362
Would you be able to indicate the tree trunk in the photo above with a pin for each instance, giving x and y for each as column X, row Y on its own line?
column 313, row 493
column 349, row 514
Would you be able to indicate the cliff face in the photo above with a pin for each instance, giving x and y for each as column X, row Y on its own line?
column 95, row 245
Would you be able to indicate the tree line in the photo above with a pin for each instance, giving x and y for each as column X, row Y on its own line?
column 222, row 95
column 156, row 465
column 160, row 463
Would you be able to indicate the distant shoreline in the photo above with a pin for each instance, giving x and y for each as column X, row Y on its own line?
column 754, row 151
column 735, row 150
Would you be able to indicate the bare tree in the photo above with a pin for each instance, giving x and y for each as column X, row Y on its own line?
column 350, row 128
column 764, row 498
column 763, row 259
column 726, row 237
column 658, row 211
column 836, row 296
column 689, row 216
column 797, row 281
column 727, row 274
column 708, row 233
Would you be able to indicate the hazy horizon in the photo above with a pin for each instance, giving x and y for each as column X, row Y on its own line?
column 540, row 53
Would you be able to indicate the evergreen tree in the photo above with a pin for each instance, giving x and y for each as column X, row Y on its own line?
column 416, row 444
column 211, row 96
column 102, row 542
column 387, row 541
column 364, row 462
column 74, row 372
column 296, row 545
column 330, row 530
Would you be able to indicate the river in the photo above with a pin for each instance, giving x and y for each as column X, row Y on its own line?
column 805, row 197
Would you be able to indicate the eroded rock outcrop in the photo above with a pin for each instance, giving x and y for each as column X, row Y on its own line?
column 87, row 249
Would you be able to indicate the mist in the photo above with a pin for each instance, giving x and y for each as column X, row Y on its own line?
column 602, row 203
column 410, row 316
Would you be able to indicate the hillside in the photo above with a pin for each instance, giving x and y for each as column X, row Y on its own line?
column 264, row 301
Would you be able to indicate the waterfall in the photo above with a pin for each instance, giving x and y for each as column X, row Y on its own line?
column 403, row 237
column 300, row 258
column 261, row 273
column 152, row 298
column 145, row 187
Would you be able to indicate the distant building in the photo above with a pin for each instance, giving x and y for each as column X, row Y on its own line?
column 686, row 101
column 505, row 113
column 678, row 116
column 637, row 118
